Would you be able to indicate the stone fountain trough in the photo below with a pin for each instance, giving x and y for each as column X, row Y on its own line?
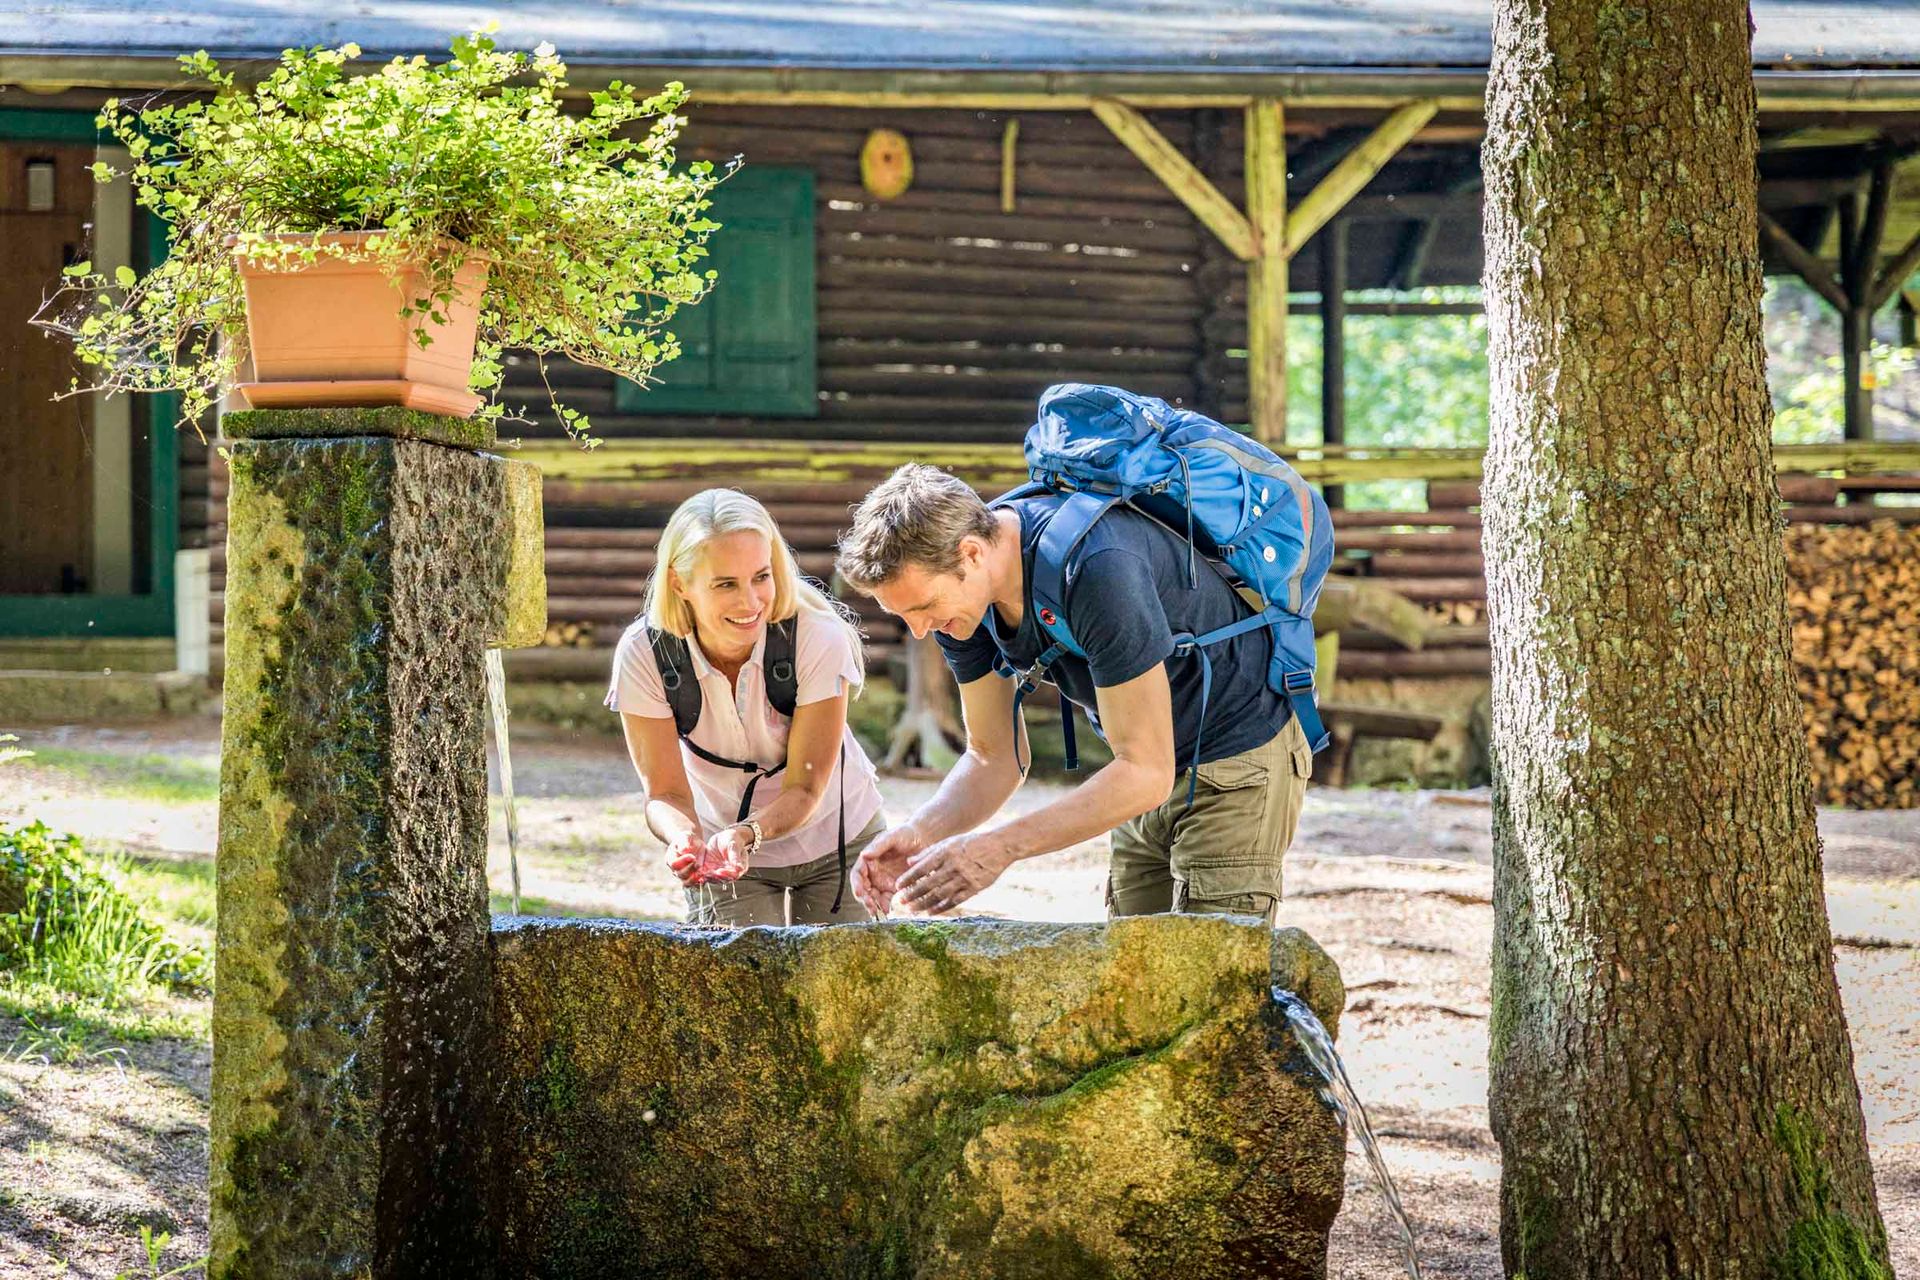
column 405, row 1087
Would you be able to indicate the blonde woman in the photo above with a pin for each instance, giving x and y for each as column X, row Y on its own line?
column 732, row 688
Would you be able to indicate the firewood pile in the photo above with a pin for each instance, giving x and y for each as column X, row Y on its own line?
column 569, row 635
column 1854, row 598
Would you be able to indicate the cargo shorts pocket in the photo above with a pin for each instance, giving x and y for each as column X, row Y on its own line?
column 1302, row 757
column 1238, row 888
column 1231, row 774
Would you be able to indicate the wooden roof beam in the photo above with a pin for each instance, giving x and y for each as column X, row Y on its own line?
column 1217, row 213
column 1355, row 170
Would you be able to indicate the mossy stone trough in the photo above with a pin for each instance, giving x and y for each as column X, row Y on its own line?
column 402, row 1089
column 942, row 1101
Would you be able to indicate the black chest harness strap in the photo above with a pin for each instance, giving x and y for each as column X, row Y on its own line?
column 675, row 662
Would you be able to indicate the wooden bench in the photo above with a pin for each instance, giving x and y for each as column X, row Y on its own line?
column 1348, row 723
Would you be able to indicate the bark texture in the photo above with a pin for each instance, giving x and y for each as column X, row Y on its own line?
column 1672, row 1084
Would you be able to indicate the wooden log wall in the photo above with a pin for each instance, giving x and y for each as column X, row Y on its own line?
column 940, row 317
column 1434, row 559
column 596, row 573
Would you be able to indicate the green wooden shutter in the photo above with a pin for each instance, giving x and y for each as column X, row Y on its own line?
column 748, row 346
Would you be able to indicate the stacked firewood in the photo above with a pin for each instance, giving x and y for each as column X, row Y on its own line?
column 1854, row 596
column 1457, row 613
column 569, row 635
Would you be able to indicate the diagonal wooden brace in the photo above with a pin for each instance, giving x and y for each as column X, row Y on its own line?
column 1215, row 211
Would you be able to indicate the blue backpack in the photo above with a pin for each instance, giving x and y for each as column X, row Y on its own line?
column 1240, row 508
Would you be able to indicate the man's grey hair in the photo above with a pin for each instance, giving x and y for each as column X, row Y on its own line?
column 917, row 515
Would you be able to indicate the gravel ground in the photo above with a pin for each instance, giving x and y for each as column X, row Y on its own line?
column 1396, row 885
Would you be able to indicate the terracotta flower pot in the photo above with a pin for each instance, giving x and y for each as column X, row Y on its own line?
column 330, row 332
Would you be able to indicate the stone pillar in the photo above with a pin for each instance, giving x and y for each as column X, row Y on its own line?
column 373, row 556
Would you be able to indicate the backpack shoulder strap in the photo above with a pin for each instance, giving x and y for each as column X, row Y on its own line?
column 1031, row 489
column 675, row 663
column 1053, row 557
column 783, row 682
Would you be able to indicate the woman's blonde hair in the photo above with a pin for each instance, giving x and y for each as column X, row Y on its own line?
column 707, row 515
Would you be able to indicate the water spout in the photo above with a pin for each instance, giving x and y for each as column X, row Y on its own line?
column 1340, row 1093
column 503, row 759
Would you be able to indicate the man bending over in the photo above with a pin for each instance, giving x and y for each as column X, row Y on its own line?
column 932, row 553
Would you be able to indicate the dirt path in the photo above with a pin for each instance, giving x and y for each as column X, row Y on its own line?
column 1396, row 885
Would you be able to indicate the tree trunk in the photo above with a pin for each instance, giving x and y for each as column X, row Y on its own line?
column 1672, row 1084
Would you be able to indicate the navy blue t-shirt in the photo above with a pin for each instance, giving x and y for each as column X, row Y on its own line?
column 1128, row 600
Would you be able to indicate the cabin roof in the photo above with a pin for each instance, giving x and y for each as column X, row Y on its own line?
column 1222, row 40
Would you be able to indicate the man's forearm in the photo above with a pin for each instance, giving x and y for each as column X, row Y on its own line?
column 1120, row 791
column 973, row 791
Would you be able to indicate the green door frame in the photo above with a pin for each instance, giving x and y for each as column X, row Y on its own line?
column 149, row 614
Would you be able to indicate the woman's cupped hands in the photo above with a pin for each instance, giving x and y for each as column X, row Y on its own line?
column 714, row 859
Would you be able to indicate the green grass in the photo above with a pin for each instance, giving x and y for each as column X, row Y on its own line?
column 149, row 777
column 500, row 905
column 75, row 1026
column 181, row 894
column 96, row 946
column 156, row 1247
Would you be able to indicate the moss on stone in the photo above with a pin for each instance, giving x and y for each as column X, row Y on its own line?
column 391, row 421
column 352, row 1002
column 1824, row 1244
column 942, row 1101
column 523, row 612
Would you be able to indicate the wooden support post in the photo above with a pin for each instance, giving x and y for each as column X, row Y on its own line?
column 1872, row 231
column 1333, row 342
column 1356, row 169
column 1266, row 144
column 1009, row 140
column 1856, row 341
column 1859, row 248
column 1214, row 210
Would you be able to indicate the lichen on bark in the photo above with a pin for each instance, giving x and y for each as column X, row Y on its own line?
column 1663, row 976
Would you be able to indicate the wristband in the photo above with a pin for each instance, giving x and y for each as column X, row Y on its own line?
column 753, row 829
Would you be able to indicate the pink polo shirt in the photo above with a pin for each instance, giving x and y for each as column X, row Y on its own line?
column 739, row 723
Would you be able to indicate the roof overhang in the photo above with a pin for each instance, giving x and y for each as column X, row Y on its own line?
column 1462, row 89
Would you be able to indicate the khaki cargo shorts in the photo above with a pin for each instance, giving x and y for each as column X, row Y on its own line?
column 1222, row 855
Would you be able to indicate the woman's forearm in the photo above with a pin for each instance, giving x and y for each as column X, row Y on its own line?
column 789, row 811
column 671, row 820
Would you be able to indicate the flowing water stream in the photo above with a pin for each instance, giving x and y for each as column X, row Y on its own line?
column 503, row 759
column 1339, row 1091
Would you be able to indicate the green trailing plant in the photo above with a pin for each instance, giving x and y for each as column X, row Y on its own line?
column 592, row 234
column 67, row 919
